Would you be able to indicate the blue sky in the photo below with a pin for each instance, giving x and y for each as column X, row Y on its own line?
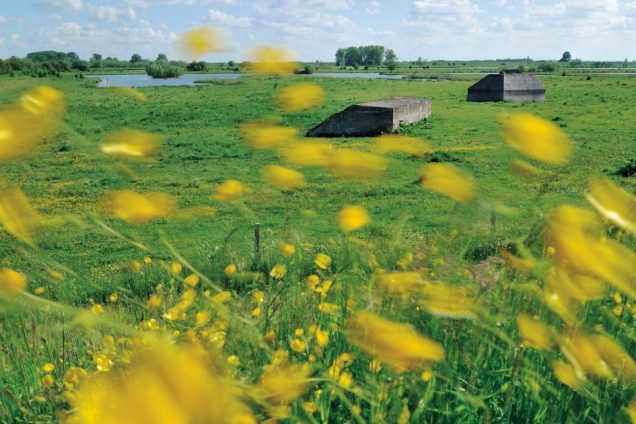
column 431, row 29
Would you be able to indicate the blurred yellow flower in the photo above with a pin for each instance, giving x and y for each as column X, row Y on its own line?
column 48, row 380
column 182, row 382
column 287, row 250
column 537, row 138
column 191, row 280
column 176, row 268
column 580, row 245
column 265, row 135
column 567, row 375
column 11, row 282
column 348, row 163
column 352, row 218
column 136, row 208
column 322, row 337
column 312, row 281
column 306, row 153
column 272, row 60
column 282, row 384
column 400, row 282
column 230, row 270
column 256, row 312
column 284, row 178
column 48, row 367
column 445, row 300
column 278, row 271
column 229, row 190
column 631, row 410
column 97, row 309
column 613, row 203
column 389, row 143
column 328, row 308
column 222, row 297
column 201, row 41
column 131, row 143
column 395, row 344
column 17, row 215
column 302, row 96
column 114, row 297
column 297, row 345
column 43, row 100
column 524, row 169
column 258, row 296
column 534, row 333
column 310, row 407
column 448, row 180
column 154, row 302
column 131, row 92
column 322, row 261
column 39, row 290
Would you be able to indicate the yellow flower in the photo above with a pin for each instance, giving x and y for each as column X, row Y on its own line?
column 400, row 143
column 312, row 281
column 322, row 337
column 567, row 375
column 302, row 96
column 230, row 270
column 613, row 203
column 580, row 245
column 176, row 268
column 448, row 180
column 395, row 344
column 287, row 250
column 154, row 302
column 201, row 41
column 222, row 297
column 12, row 282
column 201, row 318
column 182, row 379
column 400, row 282
column 229, row 190
column 48, row 368
column 147, row 260
column 272, row 60
column 297, row 345
column 55, row 275
column 97, row 309
column 328, row 308
column 284, row 178
column 256, row 312
column 17, row 215
column 534, row 333
column 278, row 272
column 40, row 399
column 43, row 100
column 352, row 218
column 191, row 280
column 310, row 407
column 39, row 290
column 537, row 138
column 449, row 301
column 131, row 143
column 48, row 380
column 270, row 336
column 348, row 163
column 322, row 261
column 135, row 266
column 631, row 410
column 137, row 208
column 282, row 384
column 266, row 135
column 306, row 153
column 345, row 379
column 114, row 297
column 427, row 376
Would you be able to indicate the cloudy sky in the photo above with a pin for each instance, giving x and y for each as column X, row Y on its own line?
column 431, row 29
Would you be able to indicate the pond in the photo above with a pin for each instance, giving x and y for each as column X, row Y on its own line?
column 140, row 80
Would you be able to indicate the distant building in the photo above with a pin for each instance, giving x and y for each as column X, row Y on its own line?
column 507, row 86
column 374, row 118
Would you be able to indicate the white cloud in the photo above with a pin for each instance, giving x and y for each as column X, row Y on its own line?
column 440, row 19
column 110, row 14
column 3, row 20
column 227, row 20
column 60, row 4
column 373, row 8
column 15, row 38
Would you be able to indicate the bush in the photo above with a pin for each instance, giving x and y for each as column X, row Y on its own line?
column 163, row 70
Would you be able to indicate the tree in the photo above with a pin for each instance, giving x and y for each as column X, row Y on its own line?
column 340, row 57
column 390, row 59
column 566, row 57
column 136, row 58
column 352, row 57
column 161, row 57
column 371, row 55
column 96, row 60
column 72, row 57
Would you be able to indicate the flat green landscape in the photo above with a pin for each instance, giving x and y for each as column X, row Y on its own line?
column 67, row 178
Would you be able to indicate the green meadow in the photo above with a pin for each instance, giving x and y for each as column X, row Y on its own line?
column 67, row 177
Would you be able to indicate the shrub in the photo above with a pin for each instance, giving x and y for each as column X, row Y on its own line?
column 163, row 70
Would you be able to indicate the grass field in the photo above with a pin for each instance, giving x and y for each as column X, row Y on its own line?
column 486, row 375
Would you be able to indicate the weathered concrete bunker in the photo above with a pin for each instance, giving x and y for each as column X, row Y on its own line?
column 374, row 118
column 507, row 86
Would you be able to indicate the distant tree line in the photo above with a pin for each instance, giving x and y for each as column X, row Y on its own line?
column 366, row 56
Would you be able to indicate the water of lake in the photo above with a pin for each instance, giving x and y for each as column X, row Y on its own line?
column 139, row 80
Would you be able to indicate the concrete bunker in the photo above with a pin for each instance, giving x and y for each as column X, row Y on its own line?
column 374, row 118
column 507, row 86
